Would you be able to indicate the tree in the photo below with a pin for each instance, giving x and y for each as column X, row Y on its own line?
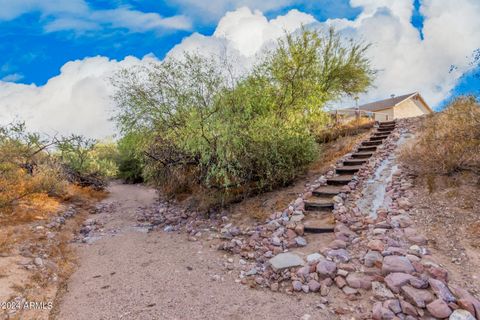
column 202, row 125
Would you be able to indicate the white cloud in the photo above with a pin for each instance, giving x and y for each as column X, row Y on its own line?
column 77, row 100
column 13, row 77
column 77, row 16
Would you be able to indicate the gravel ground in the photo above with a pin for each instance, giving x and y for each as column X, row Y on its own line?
column 130, row 274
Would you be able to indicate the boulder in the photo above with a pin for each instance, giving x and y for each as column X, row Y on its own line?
column 439, row 309
column 418, row 297
column 285, row 260
column 441, row 290
column 359, row 280
column 396, row 264
column 326, row 268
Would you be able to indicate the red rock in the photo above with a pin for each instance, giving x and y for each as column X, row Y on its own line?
column 359, row 280
column 439, row 308
column 314, row 285
column 407, row 308
column 467, row 305
column 438, row 273
column 418, row 297
column 340, row 282
column 377, row 311
column 376, row 245
column 396, row 264
column 299, row 229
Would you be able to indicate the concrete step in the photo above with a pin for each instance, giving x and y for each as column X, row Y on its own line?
column 327, row 191
column 347, row 169
column 362, row 155
column 371, row 143
column 340, row 180
column 318, row 204
column 320, row 224
column 364, row 149
column 354, row 162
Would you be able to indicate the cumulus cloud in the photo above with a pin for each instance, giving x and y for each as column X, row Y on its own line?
column 77, row 100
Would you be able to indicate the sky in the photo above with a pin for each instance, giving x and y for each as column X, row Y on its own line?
column 56, row 56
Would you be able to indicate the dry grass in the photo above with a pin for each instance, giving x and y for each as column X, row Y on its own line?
column 339, row 130
column 448, row 141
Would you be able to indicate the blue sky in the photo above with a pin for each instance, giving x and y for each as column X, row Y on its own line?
column 54, row 52
column 34, row 55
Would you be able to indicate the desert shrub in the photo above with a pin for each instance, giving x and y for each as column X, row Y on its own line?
column 211, row 128
column 448, row 141
column 337, row 130
column 27, row 172
column 87, row 162
column 130, row 159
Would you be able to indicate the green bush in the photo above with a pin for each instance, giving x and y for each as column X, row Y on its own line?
column 209, row 128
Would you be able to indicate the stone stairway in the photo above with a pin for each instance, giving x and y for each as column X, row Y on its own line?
column 320, row 218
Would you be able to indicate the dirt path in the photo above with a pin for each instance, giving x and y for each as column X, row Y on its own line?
column 130, row 274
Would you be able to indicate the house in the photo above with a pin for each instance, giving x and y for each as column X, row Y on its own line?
column 405, row 106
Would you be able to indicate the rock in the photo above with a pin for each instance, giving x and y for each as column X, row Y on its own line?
column 297, row 285
column 285, row 260
column 376, row 245
column 299, row 229
column 349, row 291
column 337, row 244
column 359, row 280
column 397, row 264
column 407, row 308
column 441, row 290
column 324, row 290
column 439, row 308
column 305, row 288
column 38, row 262
column 403, row 203
column 340, row 255
column 461, row 314
column 418, row 297
column 467, row 305
column 274, row 286
column 393, row 305
column 300, row 241
column 377, row 311
column 340, row 282
column 297, row 218
column 381, row 292
column 373, row 258
column 314, row 258
column 438, row 273
column 314, row 285
column 326, row 268
column 251, row 272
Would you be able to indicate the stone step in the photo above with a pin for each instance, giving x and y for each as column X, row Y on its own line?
column 386, row 123
column 371, row 148
column 362, row 155
column 354, row 162
column 347, row 169
column 378, row 138
column 384, row 129
column 372, row 143
column 327, row 191
column 321, row 224
column 319, row 205
column 340, row 180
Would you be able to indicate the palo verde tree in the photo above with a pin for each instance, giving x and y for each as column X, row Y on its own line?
column 202, row 125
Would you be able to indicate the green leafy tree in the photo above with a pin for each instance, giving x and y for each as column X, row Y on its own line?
column 201, row 125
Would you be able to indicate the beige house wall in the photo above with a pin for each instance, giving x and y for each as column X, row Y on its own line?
column 410, row 108
column 384, row 115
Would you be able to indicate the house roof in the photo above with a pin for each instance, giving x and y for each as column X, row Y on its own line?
column 385, row 104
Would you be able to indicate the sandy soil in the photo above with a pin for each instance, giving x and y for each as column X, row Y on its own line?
column 132, row 274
